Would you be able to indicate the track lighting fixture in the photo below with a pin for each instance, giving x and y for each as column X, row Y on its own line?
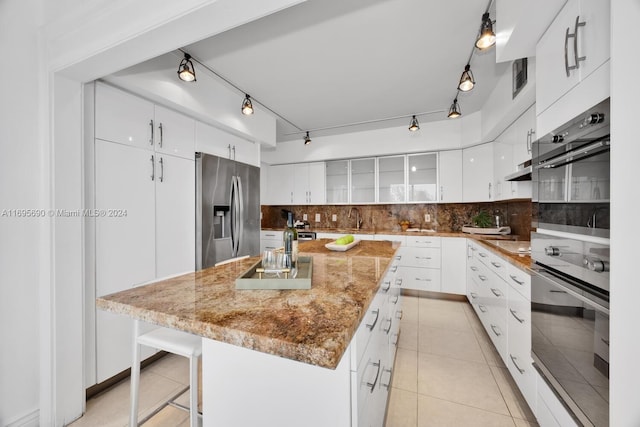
column 247, row 106
column 487, row 37
column 454, row 110
column 466, row 80
column 414, row 126
column 307, row 140
column 186, row 71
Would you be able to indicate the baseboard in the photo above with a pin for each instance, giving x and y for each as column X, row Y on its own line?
column 31, row 419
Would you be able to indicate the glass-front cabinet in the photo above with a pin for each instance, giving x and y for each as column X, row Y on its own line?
column 422, row 177
column 363, row 180
column 337, row 181
column 391, row 179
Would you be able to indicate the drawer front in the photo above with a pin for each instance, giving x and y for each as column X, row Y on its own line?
column 419, row 257
column 423, row 241
column 496, row 327
column 494, row 262
column 519, row 280
column 371, row 324
column 421, row 279
column 271, row 235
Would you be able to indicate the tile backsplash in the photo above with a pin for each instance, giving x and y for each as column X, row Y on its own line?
column 445, row 217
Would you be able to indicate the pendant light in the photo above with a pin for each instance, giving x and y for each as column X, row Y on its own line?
column 186, row 71
column 414, row 126
column 454, row 110
column 247, row 106
column 307, row 140
column 466, row 80
column 487, row 37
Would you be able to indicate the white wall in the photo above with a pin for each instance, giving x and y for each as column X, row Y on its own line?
column 625, row 152
column 20, row 188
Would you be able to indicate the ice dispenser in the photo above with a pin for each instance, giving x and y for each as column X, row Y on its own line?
column 220, row 221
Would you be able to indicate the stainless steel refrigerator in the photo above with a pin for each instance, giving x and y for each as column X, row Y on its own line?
column 227, row 210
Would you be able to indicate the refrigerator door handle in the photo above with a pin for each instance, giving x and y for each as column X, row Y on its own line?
column 240, row 213
column 232, row 216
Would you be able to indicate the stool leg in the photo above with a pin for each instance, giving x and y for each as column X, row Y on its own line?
column 135, row 376
column 193, row 390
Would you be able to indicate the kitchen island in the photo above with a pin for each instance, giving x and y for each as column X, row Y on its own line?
column 291, row 357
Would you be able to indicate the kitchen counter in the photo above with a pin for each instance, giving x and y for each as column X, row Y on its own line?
column 312, row 326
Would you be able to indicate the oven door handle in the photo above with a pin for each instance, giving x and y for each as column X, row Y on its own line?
column 571, row 292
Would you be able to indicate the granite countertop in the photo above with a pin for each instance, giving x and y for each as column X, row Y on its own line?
column 312, row 326
column 407, row 233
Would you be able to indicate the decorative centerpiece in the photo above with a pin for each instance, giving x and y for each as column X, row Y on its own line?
column 404, row 224
column 483, row 223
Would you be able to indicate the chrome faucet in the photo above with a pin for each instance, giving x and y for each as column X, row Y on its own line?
column 358, row 219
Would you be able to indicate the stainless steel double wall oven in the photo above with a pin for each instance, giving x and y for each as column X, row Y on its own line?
column 570, row 255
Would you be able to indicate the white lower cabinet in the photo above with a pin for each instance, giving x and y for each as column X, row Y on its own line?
column 419, row 263
column 284, row 392
column 270, row 240
column 453, row 257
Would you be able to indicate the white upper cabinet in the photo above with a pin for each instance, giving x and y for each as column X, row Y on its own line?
column 363, row 180
column 212, row 140
column 174, row 133
column 524, row 135
column 122, row 117
column 391, row 179
column 281, row 184
column 422, row 177
column 450, row 170
column 477, row 173
column 308, row 187
column 502, row 164
column 337, row 181
column 573, row 47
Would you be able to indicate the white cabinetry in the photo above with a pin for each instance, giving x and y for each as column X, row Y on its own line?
column 309, row 186
column 573, row 47
column 450, row 171
column 453, row 276
column 281, row 185
column 477, row 173
column 148, row 200
column 502, row 166
column 270, row 240
column 217, row 142
column 419, row 264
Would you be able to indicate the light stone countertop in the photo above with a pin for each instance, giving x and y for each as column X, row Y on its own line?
column 312, row 326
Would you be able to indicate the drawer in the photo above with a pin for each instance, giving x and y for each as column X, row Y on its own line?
column 494, row 262
column 369, row 327
column 519, row 280
column 496, row 328
column 363, row 381
column 419, row 257
column 422, row 279
column 423, row 241
column 271, row 235
column 392, row 238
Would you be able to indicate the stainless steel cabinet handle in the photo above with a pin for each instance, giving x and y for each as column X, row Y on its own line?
column 399, row 282
column 234, row 152
column 496, row 330
column 399, row 314
column 473, row 295
column 423, row 257
column 229, row 149
column 566, row 51
column 483, row 278
column 482, row 254
column 270, row 235
column 422, row 280
column 152, row 129
column 389, row 383
column 396, row 300
column 161, row 135
column 530, row 140
column 554, row 291
column 576, row 58
column 375, row 381
column 389, row 328
column 388, row 283
column 513, row 360
column 482, row 308
column 513, row 313
column 161, row 170
column 489, row 191
column 153, row 168
column 473, row 268
column 377, row 312
column 394, row 269
column 292, row 197
column 441, row 192
column 496, row 292
column 515, row 279
column 496, row 265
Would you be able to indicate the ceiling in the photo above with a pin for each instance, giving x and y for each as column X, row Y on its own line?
column 324, row 64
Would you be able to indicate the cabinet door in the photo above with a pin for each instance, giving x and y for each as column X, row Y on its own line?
column 552, row 58
column 213, row 141
column 316, row 183
column 477, row 173
column 301, row 184
column 174, row 133
column 337, row 181
column 525, row 134
column 391, row 179
column 454, row 255
column 125, row 245
column 594, row 38
column 175, row 216
column 281, row 181
column 502, row 165
column 122, row 117
column 422, row 177
column 450, row 171
column 363, row 180
column 246, row 152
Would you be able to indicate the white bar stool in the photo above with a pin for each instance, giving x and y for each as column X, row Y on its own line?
column 172, row 341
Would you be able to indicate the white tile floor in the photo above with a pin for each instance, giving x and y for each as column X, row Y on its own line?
column 447, row 373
